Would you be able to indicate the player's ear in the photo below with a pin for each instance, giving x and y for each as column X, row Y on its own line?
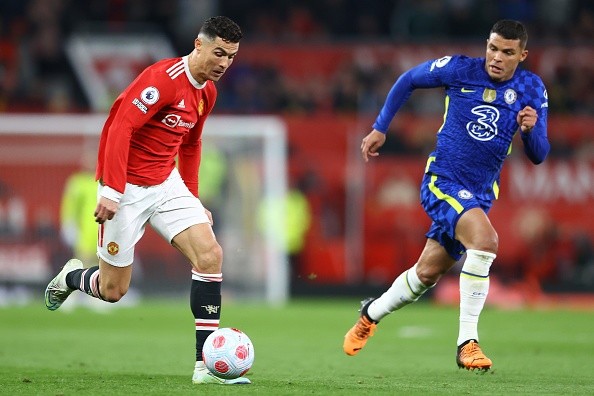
column 524, row 55
column 197, row 43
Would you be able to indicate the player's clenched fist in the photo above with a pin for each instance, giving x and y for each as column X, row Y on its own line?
column 106, row 209
column 527, row 118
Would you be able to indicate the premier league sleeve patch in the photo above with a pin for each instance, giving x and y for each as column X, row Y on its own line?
column 150, row 95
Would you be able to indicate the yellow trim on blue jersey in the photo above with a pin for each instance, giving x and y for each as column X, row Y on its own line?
column 496, row 189
column 429, row 161
column 445, row 113
column 439, row 194
column 509, row 149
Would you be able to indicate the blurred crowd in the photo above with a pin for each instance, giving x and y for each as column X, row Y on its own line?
column 36, row 75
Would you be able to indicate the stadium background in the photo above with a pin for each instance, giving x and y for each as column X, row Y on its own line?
column 324, row 67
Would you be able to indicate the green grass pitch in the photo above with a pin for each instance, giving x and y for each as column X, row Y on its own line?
column 149, row 350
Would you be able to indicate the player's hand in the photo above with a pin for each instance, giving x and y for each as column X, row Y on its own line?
column 371, row 143
column 106, row 209
column 527, row 118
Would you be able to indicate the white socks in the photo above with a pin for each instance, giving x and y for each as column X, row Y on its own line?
column 407, row 288
column 474, row 287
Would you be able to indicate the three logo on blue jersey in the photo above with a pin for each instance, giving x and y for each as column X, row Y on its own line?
column 485, row 126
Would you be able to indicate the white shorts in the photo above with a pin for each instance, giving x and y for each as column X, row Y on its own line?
column 169, row 207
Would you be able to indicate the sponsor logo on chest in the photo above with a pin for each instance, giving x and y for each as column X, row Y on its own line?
column 174, row 120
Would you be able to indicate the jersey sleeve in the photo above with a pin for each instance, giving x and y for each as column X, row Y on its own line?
column 536, row 142
column 143, row 98
column 190, row 149
column 430, row 74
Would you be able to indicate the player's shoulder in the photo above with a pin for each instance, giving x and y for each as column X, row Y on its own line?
column 468, row 62
column 455, row 62
column 171, row 67
column 525, row 74
column 162, row 71
column 528, row 81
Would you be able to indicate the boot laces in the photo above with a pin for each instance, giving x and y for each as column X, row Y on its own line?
column 363, row 329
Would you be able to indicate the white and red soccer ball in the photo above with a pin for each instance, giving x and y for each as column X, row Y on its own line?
column 228, row 353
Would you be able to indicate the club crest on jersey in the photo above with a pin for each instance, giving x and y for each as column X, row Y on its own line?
column 201, row 107
column 150, row 95
column 113, row 248
column 464, row 194
column 510, row 96
column 489, row 95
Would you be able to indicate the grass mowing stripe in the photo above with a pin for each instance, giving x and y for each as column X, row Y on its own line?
column 149, row 350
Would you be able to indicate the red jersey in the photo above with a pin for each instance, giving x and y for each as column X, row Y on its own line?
column 157, row 118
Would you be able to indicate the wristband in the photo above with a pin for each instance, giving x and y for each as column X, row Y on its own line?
column 111, row 194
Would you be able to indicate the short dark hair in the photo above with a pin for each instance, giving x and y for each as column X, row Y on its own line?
column 223, row 27
column 511, row 30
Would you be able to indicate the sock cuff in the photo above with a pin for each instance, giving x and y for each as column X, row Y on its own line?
column 481, row 253
column 478, row 262
column 203, row 277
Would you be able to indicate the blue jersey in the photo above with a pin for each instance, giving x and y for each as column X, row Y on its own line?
column 479, row 121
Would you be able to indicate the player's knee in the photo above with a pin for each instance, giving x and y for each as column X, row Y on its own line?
column 430, row 275
column 112, row 293
column 210, row 260
column 489, row 243
column 485, row 242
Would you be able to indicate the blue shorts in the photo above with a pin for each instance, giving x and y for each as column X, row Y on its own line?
column 445, row 201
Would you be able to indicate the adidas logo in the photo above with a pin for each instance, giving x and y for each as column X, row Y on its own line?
column 181, row 104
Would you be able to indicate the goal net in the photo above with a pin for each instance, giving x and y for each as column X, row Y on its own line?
column 243, row 170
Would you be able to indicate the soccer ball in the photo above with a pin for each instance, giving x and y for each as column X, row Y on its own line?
column 228, row 353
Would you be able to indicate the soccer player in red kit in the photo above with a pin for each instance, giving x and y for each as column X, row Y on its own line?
column 159, row 117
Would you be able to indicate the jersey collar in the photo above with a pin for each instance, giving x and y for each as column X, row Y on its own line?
column 195, row 83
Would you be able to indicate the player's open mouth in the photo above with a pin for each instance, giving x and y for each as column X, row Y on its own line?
column 495, row 69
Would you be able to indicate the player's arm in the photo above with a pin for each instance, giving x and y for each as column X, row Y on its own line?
column 425, row 75
column 533, row 129
column 189, row 160
column 191, row 147
column 137, row 104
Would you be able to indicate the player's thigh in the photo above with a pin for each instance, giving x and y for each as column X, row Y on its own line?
column 182, row 221
column 178, row 210
column 475, row 231
column 199, row 245
column 118, row 237
column 445, row 201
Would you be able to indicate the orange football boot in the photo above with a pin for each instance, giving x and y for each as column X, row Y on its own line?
column 356, row 338
column 470, row 356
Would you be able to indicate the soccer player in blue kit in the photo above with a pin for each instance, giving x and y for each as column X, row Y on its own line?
column 487, row 101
